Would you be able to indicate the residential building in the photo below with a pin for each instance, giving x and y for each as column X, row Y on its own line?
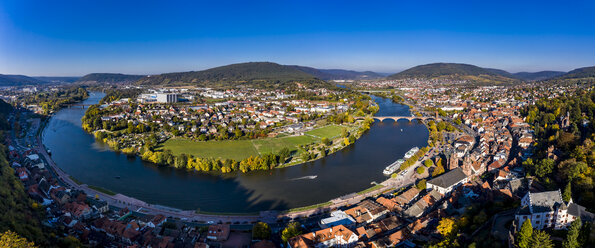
column 338, row 236
column 445, row 183
column 548, row 210
column 218, row 232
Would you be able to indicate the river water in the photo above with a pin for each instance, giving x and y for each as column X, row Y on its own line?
column 349, row 170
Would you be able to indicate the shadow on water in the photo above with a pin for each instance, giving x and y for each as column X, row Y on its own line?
column 346, row 171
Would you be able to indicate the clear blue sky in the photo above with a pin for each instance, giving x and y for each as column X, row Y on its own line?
column 147, row 37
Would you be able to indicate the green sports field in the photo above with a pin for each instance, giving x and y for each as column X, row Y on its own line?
column 274, row 145
column 234, row 149
column 330, row 131
column 240, row 149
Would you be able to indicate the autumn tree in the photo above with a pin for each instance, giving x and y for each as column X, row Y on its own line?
column 421, row 185
column 428, row 163
column 447, row 227
column 10, row 239
column 438, row 171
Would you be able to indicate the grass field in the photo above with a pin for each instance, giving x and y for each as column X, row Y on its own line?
column 102, row 190
column 234, row 149
column 330, row 131
column 241, row 149
column 274, row 145
column 368, row 190
column 315, row 206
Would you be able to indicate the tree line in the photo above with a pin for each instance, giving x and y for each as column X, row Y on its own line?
column 564, row 156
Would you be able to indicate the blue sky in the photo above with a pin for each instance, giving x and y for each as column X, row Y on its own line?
column 148, row 37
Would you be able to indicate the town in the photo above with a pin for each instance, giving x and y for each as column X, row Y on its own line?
column 175, row 116
column 476, row 182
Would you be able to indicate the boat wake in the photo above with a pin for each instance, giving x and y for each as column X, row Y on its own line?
column 304, row 178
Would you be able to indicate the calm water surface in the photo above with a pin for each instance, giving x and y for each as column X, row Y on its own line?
column 349, row 170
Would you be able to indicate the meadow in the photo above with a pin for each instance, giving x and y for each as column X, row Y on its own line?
column 240, row 149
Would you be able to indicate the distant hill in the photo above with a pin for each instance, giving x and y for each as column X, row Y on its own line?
column 18, row 80
column 585, row 72
column 527, row 76
column 536, row 76
column 473, row 73
column 57, row 79
column 456, row 72
column 109, row 78
column 260, row 74
column 442, row 69
column 338, row 74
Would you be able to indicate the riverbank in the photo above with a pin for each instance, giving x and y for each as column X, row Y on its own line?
column 242, row 155
column 122, row 201
column 93, row 163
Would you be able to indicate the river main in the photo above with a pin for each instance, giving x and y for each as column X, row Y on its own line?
column 349, row 170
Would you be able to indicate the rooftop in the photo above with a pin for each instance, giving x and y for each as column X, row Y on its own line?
column 448, row 179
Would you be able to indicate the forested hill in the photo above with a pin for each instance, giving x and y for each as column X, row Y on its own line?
column 527, row 76
column 257, row 74
column 109, row 78
column 18, row 80
column 585, row 72
column 58, row 79
column 438, row 70
column 21, row 80
column 18, row 212
column 537, row 76
column 338, row 74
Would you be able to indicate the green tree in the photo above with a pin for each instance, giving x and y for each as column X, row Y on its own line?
column 585, row 234
column 293, row 229
column 351, row 139
column 344, row 133
column 261, row 230
column 573, row 233
column 523, row 237
column 567, row 194
column 420, row 170
column 284, row 154
column 540, row 239
column 544, row 167
column 130, row 127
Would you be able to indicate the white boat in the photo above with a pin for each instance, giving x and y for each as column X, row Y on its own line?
column 411, row 152
column 393, row 167
column 306, row 177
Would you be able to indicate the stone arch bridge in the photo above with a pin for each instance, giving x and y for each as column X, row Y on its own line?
column 396, row 118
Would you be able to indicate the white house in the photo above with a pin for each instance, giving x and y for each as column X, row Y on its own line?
column 548, row 210
column 445, row 183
